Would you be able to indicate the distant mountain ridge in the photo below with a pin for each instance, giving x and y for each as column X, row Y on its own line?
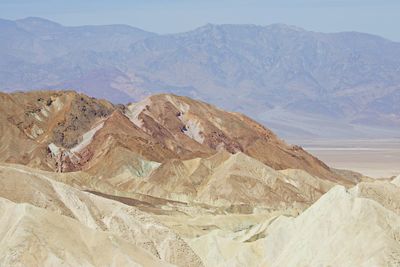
column 297, row 82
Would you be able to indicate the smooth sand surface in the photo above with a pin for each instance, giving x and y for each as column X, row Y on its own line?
column 378, row 158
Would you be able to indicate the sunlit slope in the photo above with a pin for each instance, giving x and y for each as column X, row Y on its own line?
column 87, row 211
column 66, row 131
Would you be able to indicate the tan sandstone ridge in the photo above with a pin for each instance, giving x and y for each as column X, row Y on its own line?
column 226, row 179
column 356, row 227
column 340, row 229
column 37, row 237
column 126, row 223
column 171, row 181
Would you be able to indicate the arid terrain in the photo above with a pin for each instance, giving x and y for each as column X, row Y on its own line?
column 200, row 133
column 171, row 181
column 377, row 158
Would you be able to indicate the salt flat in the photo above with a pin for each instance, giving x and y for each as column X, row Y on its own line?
column 376, row 158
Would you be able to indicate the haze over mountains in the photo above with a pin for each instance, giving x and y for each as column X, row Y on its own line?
column 297, row 82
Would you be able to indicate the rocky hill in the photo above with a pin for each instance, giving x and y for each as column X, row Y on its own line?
column 67, row 131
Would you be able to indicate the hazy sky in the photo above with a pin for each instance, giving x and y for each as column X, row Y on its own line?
column 380, row 17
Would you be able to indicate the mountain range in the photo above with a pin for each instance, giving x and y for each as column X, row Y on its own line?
column 297, row 82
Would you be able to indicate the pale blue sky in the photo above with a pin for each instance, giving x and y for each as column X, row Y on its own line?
column 380, row 17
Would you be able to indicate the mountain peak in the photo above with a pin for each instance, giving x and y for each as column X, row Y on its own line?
column 37, row 21
column 212, row 26
column 275, row 26
column 283, row 26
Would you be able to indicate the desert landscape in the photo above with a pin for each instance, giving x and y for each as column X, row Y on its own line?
column 199, row 133
column 177, row 182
